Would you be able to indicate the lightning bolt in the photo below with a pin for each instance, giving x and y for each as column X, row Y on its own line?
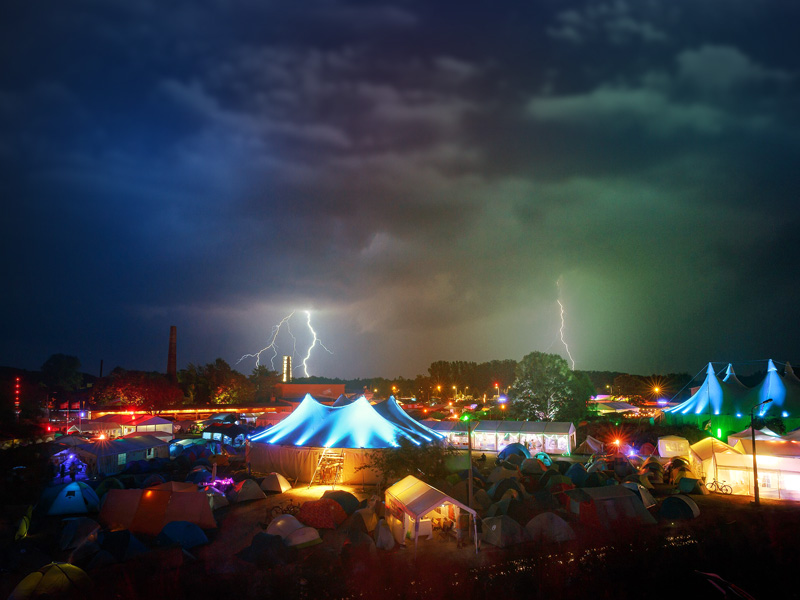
column 272, row 346
column 561, row 330
column 314, row 342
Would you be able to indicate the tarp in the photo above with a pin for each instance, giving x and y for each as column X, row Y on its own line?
column 384, row 540
column 147, row 511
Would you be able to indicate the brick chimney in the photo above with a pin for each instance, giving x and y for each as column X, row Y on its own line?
column 172, row 359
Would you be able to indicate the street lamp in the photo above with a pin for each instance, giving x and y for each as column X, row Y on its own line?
column 756, row 500
column 455, row 392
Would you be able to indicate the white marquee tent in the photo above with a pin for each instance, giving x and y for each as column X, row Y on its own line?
column 413, row 503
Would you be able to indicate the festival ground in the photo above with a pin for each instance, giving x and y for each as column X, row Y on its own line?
column 751, row 547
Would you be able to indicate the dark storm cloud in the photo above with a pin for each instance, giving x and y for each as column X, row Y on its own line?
column 418, row 175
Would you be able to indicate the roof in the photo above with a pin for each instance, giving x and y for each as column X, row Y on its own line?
column 392, row 412
column 230, row 429
column 730, row 397
column 122, row 445
column 706, row 448
column 417, row 498
column 616, row 407
column 355, row 425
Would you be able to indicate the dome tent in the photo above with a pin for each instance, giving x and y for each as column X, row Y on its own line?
column 275, row 482
column 56, row 580
column 73, row 498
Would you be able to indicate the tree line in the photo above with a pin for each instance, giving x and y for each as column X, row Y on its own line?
column 541, row 386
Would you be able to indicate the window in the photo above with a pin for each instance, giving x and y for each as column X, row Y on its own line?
column 151, row 452
column 122, row 459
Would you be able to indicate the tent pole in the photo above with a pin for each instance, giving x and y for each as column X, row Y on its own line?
column 416, row 536
column 475, row 531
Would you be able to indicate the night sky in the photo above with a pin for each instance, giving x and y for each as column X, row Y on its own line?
column 418, row 174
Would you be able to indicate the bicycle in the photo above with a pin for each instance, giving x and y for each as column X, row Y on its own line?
column 719, row 487
column 285, row 508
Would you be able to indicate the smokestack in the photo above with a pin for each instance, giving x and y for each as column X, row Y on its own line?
column 101, row 368
column 172, row 358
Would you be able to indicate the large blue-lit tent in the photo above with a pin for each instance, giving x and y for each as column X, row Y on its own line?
column 725, row 404
column 294, row 446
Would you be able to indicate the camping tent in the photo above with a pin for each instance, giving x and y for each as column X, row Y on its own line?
column 275, row 482
column 502, row 531
column 283, row 525
column 147, row 511
column 608, row 506
column 590, row 446
column 673, row 445
column 55, row 580
column 186, row 534
column 549, row 528
column 413, row 503
column 245, row 490
column 75, row 498
column 678, row 507
column 642, row 492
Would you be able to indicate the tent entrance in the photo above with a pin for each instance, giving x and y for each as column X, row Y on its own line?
column 329, row 468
